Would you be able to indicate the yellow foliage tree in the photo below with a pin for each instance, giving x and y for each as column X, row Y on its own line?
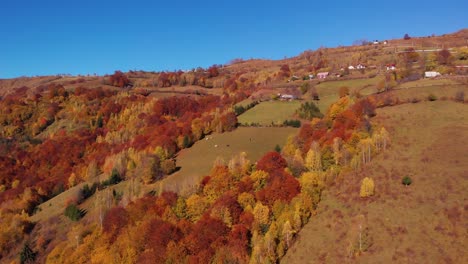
column 290, row 147
column 313, row 160
column 259, row 179
column 246, row 200
column 196, row 206
column 261, row 215
column 367, row 187
column 287, row 233
column 338, row 107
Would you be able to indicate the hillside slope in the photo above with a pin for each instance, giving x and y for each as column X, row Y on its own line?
column 423, row 223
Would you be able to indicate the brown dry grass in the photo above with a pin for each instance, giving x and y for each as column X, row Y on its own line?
column 423, row 223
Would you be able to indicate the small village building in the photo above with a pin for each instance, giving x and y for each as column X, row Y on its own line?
column 351, row 67
column 391, row 67
column 431, row 74
column 287, row 97
column 322, row 75
column 360, row 67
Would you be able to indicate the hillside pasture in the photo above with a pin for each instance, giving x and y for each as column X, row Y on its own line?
column 270, row 112
column 424, row 222
column 197, row 161
column 329, row 90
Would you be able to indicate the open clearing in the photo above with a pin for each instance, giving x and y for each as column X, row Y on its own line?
column 425, row 222
column 329, row 91
column 197, row 161
column 270, row 112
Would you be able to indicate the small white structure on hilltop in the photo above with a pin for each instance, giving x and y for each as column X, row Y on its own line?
column 351, row 67
column 287, row 97
column 391, row 67
column 431, row 74
column 322, row 75
column 360, row 67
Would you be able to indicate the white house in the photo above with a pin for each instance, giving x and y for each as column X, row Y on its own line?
column 391, row 67
column 360, row 67
column 322, row 75
column 351, row 67
column 288, row 97
column 431, row 74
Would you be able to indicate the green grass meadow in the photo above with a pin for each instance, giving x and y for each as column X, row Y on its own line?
column 197, row 161
column 270, row 112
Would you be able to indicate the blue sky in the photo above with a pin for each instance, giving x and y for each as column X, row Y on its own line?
column 80, row 37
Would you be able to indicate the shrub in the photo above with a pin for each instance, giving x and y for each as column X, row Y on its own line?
column 406, row 181
column 168, row 166
column 431, row 97
column 292, row 123
column 460, row 96
column 308, row 111
column 344, row 91
column 113, row 179
column 367, row 187
column 73, row 212
column 278, row 148
column 27, row 255
column 87, row 191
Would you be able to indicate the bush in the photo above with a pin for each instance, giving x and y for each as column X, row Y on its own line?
column 460, row 96
column 432, row 97
column 406, row 181
column 278, row 148
column 292, row 123
column 87, row 191
column 74, row 213
column 113, row 179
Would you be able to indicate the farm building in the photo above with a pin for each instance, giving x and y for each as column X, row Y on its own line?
column 431, row 74
column 288, row 97
column 322, row 75
column 391, row 67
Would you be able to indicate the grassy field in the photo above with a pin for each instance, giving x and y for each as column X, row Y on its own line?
column 270, row 112
column 197, row 161
column 329, row 91
column 421, row 223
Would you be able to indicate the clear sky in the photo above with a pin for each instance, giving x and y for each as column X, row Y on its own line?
column 99, row 36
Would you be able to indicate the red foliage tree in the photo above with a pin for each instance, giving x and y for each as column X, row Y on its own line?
column 283, row 187
column 119, row 79
column 114, row 220
column 228, row 121
column 239, row 238
column 204, row 233
column 213, row 71
column 229, row 200
column 271, row 161
column 158, row 235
